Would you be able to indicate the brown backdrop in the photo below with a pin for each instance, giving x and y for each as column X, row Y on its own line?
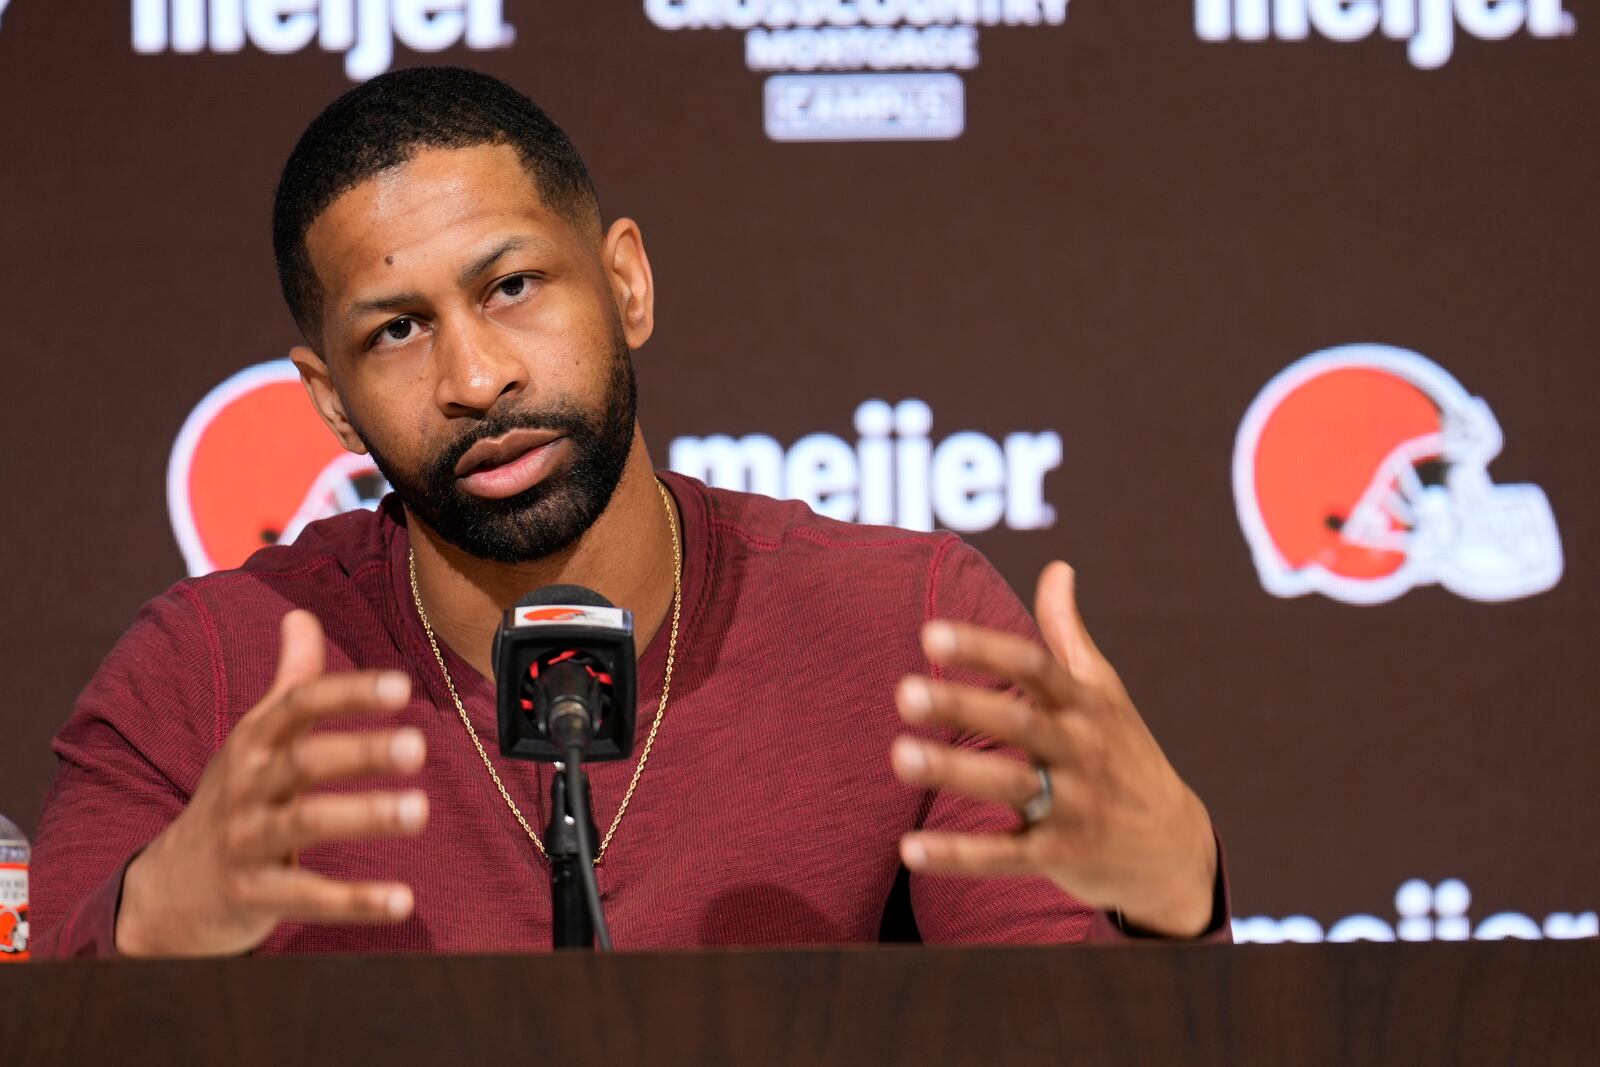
column 1135, row 232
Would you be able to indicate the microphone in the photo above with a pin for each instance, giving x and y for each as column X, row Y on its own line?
column 566, row 676
column 565, row 679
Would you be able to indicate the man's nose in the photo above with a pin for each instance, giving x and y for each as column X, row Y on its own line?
column 476, row 367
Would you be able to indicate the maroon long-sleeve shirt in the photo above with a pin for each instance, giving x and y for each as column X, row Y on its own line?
column 768, row 813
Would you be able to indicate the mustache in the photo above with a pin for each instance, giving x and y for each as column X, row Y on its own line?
column 559, row 418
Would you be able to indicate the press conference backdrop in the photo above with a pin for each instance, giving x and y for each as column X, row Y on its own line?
column 1276, row 319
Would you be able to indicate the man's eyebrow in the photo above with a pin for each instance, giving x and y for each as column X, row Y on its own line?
column 474, row 270
column 382, row 303
column 480, row 266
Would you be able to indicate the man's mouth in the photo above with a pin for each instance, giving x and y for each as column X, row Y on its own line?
column 511, row 463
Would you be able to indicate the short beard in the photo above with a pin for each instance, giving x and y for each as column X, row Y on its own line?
column 550, row 516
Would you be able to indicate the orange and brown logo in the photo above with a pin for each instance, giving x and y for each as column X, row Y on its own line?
column 1361, row 472
column 253, row 465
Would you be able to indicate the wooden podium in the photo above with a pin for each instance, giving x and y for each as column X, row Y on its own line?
column 1535, row 1003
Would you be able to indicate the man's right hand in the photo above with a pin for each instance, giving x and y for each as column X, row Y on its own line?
column 224, row 873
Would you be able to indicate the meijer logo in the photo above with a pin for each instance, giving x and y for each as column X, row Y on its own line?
column 1426, row 913
column 364, row 30
column 1428, row 25
column 894, row 475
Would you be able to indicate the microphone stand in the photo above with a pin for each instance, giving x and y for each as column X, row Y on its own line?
column 571, row 926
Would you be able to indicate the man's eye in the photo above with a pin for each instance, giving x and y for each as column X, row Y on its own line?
column 395, row 332
column 513, row 286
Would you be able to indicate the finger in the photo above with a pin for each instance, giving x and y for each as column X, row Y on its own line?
column 273, row 833
column 332, row 696
column 945, row 853
column 969, row 709
column 302, row 657
column 1007, row 656
column 313, row 759
column 985, row 775
column 1055, row 606
column 299, row 894
column 302, row 651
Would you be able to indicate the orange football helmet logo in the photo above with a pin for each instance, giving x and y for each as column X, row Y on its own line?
column 253, row 464
column 1362, row 471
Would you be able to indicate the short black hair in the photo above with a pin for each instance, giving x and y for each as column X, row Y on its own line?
column 384, row 123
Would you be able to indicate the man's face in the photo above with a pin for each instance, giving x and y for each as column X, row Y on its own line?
column 474, row 343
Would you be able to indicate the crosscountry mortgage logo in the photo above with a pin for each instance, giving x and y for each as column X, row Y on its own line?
column 1362, row 471
column 364, row 30
column 253, row 464
column 885, row 44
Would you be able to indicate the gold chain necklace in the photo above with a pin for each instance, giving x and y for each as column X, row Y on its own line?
column 649, row 742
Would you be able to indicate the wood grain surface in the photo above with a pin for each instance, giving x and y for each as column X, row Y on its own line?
column 1506, row 1002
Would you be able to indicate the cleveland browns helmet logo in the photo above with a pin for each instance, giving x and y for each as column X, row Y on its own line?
column 1361, row 471
column 254, row 464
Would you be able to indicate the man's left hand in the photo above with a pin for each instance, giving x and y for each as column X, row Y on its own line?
column 1122, row 831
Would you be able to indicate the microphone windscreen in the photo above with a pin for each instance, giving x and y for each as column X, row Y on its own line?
column 578, row 595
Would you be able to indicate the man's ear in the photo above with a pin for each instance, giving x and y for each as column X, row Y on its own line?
column 318, row 381
column 628, row 271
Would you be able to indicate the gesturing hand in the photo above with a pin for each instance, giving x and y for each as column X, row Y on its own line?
column 1122, row 830
column 224, row 874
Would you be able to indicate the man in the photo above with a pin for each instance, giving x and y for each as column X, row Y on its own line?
column 298, row 755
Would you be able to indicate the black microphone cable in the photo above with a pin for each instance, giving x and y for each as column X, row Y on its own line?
column 578, row 804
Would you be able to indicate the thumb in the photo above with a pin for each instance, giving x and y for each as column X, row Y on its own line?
column 302, row 655
column 1055, row 607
